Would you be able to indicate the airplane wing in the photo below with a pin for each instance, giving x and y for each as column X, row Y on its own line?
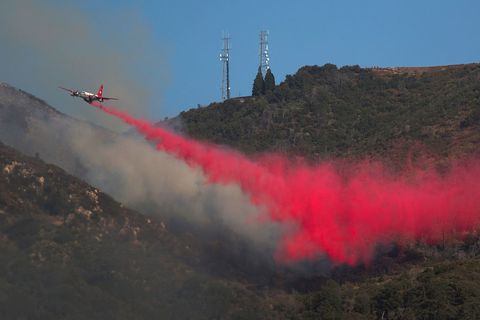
column 104, row 98
column 69, row 90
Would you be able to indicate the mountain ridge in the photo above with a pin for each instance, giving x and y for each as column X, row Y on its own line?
column 437, row 109
column 419, row 69
column 349, row 112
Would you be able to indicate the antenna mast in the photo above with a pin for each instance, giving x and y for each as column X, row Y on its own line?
column 225, row 58
column 264, row 59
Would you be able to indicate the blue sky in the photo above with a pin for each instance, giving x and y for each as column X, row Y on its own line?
column 368, row 33
column 186, row 37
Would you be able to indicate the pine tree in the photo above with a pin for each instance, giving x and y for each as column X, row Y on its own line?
column 258, row 84
column 269, row 81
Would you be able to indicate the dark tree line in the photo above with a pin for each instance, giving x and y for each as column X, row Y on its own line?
column 263, row 85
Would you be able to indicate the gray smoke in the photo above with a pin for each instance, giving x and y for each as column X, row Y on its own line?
column 45, row 44
column 153, row 182
column 133, row 172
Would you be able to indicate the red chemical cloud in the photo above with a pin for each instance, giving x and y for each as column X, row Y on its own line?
column 344, row 215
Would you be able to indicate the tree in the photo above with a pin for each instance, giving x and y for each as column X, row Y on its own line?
column 269, row 81
column 327, row 302
column 258, row 84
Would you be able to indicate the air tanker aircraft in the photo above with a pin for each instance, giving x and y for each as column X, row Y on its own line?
column 87, row 96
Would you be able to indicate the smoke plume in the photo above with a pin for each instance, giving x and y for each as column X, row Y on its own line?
column 343, row 214
column 46, row 44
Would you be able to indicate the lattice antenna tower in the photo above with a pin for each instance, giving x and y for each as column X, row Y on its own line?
column 225, row 58
column 264, row 59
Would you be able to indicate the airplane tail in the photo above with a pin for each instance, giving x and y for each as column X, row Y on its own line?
column 100, row 91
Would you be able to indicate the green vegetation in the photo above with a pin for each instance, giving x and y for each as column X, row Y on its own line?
column 258, row 84
column 448, row 290
column 263, row 85
column 269, row 81
column 350, row 112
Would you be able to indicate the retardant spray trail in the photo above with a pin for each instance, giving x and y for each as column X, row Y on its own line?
column 342, row 215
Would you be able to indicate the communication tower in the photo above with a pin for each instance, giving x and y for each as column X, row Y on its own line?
column 225, row 58
column 264, row 59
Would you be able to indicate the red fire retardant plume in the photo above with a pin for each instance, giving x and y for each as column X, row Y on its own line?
column 343, row 214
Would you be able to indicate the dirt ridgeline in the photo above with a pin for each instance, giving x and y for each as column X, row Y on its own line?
column 418, row 70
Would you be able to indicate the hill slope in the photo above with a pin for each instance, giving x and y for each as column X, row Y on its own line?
column 66, row 258
column 70, row 251
column 326, row 111
column 153, row 183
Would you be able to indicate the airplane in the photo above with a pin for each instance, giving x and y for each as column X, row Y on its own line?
column 87, row 96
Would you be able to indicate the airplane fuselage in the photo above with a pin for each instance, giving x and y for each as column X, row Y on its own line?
column 87, row 96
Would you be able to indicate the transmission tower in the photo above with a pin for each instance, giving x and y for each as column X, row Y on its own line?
column 264, row 59
column 225, row 58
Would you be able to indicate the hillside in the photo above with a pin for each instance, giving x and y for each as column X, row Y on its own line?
column 387, row 114
column 70, row 251
column 153, row 183
column 349, row 112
